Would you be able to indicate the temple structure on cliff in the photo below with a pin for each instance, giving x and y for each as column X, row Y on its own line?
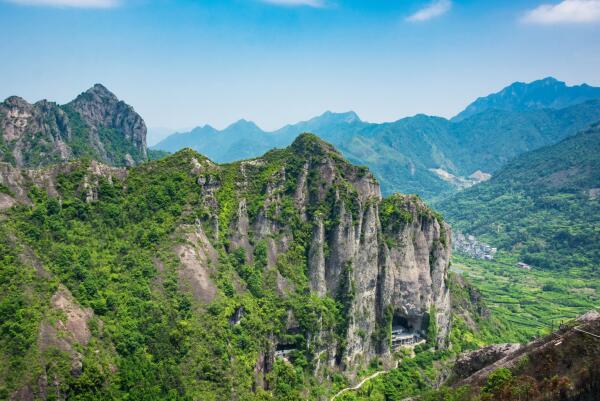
column 403, row 337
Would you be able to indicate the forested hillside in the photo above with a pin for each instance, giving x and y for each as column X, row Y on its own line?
column 543, row 205
column 275, row 278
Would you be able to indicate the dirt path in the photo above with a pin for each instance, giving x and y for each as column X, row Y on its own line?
column 374, row 375
column 363, row 381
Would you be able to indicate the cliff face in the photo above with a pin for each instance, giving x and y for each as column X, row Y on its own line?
column 95, row 125
column 385, row 260
column 292, row 255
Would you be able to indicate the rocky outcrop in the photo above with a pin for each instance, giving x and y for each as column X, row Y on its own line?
column 33, row 134
column 17, row 182
column 388, row 268
column 65, row 332
column 95, row 125
column 470, row 362
column 561, row 365
column 198, row 260
column 571, row 350
column 102, row 111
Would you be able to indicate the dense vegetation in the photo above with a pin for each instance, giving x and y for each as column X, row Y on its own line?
column 116, row 256
column 154, row 154
column 113, row 244
column 543, row 205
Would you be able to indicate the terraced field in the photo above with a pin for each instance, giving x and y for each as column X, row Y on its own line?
column 529, row 302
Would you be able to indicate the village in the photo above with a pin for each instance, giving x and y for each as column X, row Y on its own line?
column 469, row 245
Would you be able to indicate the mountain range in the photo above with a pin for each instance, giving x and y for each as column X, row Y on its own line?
column 429, row 156
column 547, row 93
column 426, row 155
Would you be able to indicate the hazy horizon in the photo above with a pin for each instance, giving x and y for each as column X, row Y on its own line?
column 188, row 63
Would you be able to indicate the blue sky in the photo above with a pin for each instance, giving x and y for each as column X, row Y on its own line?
column 182, row 63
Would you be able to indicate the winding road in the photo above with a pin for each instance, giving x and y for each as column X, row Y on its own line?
column 363, row 381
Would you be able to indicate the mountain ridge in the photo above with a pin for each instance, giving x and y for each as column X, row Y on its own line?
column 546, row 93
column 427, row 155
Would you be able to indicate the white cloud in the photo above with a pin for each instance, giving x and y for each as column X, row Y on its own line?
column 69, row 3
column 567, row 11
column 293, row 3
column 432, row 10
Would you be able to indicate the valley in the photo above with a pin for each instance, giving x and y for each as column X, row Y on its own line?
column 529, row 303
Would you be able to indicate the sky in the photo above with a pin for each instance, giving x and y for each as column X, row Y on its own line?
column 184, row 63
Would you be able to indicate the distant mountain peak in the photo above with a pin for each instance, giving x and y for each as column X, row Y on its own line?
column 533, row 85
column 549, row 80
column 243, row 123
column 546, row 93
column 345, row 117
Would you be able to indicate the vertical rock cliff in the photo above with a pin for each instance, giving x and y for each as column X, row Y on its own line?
column 384, row 260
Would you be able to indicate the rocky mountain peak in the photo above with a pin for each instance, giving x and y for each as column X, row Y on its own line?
column 99, row 92
column 310, row 144
column 96, row 125
column 16, row 102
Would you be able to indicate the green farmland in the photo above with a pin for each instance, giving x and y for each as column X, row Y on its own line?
column 529, row 302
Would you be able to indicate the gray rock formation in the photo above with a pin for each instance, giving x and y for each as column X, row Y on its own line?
column 470, row 362
column 95, row 125
column 17, row 182
column 386, row 270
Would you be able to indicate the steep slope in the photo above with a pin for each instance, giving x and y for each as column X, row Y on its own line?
column 199, row 281
column 426, row 155
column 560, row 366
column 95, row 125
column 547, row 93
column 544, row 204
